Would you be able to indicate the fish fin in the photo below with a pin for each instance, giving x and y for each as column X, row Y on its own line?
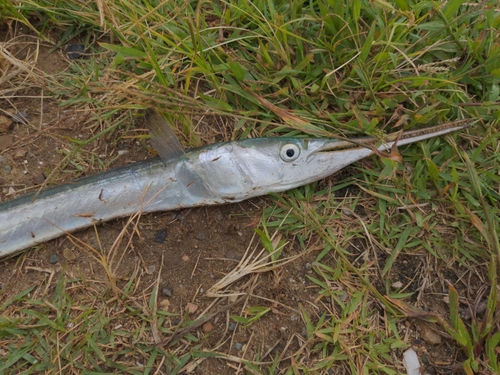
column 163, row 138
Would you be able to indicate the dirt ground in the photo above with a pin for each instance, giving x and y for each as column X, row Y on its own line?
column 192, row 249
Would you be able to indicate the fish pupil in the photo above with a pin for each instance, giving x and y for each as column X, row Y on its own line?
column 290, row 152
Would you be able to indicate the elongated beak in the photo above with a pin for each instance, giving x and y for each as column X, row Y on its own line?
column 400, row 139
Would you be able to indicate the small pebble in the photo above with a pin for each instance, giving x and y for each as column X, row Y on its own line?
column 3, row 159
column 5, row 124
column 207, row 327
column 343, row 296
column 160, row 236
column 201, row 236
column 168, row 291
column 53, row 258
column 165, row 304
column 191, row 307
column 430, row 370
column 238, row 346
column 220, row 217
column 7, row 169
column 429, row 335
column 232, row 326
column 122, row 152
column 39, row 178
column 69, row 255
column 75, row 51
column 397, row 285
column 480, row 309
column 151, row 268
column 424, row 359
column 19, row 154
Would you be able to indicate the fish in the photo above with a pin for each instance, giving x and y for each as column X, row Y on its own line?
column 220, row 173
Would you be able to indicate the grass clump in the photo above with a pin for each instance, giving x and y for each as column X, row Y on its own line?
column 357, row 66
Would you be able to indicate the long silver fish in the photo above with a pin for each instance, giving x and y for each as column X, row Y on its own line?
column 216, row 174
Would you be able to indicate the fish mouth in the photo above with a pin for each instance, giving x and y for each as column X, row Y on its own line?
column 335, row 148
column 339, row 146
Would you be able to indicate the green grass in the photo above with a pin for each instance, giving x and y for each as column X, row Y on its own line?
column 47, row 335
column 342, row 68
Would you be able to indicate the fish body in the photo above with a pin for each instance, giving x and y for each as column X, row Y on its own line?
column 217, row 174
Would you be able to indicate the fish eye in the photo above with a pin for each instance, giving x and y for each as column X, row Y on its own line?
column 289, row 152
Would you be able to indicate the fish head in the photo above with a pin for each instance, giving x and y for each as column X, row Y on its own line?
column 244, row 169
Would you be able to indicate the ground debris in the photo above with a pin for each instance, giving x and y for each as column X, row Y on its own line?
column 428, row 334
column 5, row 124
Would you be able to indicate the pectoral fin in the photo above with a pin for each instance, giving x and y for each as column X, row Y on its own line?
column 163, row 138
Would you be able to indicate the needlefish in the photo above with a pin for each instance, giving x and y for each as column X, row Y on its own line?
column 216, row 174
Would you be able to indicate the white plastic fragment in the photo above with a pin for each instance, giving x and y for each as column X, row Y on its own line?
column 410, row 359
